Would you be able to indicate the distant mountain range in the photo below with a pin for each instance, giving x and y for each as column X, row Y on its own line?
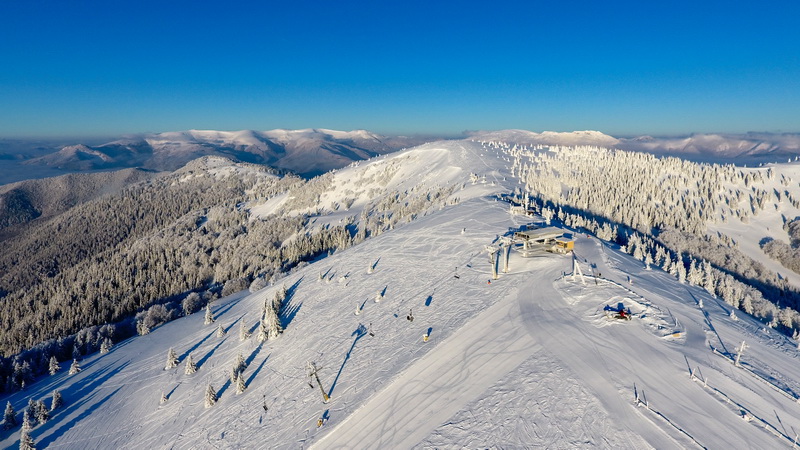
column 306, row 152
column 312, row 152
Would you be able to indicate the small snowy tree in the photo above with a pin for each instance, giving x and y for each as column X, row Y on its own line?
column 233, row 374
column 142, row 328
column 241, row 364
column 105, row 346
column 190, row 365
column 42, row 413
column 54, row 366
column 209, row 317
column 33, row 410
column 26, row 442
column 211, row 396
column 220, row 331
column 243, row 334
column 9, row 417
column 263, row 333
column 172, row 359
column 75, row 367
column 58, row 400
column 695, row 275
column 272, row 323
column 163, row 398
column 548, row 214
column 240, row 383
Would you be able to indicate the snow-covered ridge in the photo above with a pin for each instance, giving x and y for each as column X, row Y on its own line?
column 307, row 152
column 728, row 146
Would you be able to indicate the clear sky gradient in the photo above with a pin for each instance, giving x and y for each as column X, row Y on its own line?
column 80, row 68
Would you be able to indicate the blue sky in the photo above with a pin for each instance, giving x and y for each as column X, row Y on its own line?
column 96, row 68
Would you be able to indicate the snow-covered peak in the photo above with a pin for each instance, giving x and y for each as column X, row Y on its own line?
column 572, row 138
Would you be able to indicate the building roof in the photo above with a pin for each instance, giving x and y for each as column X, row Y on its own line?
column 541, row 233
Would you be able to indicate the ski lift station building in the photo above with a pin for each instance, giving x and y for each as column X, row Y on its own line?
column 550, row 239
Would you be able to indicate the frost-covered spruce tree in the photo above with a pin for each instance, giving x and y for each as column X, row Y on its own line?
column 273, row 323
column 58, row 400
column 695, row 276
column 26, row 442
column 233, row 374
column 709, row 280
column 243, row 334
column 54, row 366
column 190, row 366
column 33, row 410
column 75, row 367
column 220, row 331
column 240, row 383
column 9, row 417
column 263, row 333
column 648, row 260
column 106, row 345
column 240, row 364
column 163, row 398
column 42, row 413
column 209, row 317
column 142, row 328
column 172, row 359
column 211, row 396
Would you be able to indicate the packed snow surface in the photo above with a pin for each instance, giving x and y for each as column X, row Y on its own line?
column 535, row 358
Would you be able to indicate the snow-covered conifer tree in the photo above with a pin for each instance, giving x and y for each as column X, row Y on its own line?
column 272, row 323
column 666, row 264
column 209, row 317
column 695, row 276
column 9, row 417
column 33, row 410
column 277, row 301
column 233, row 374
column 105, row 346
column 26, row 442
column 648, row 260
column 164, row 398
column 190, row 365
column 75, row 367
column 243, row 334
column 262, row 335
column 211, row 396
column 142, row 328
column 681, row 270
column 54, row 366
column 220, row 331
column 42, row 413
column 57, row 400
column 241, row 364
column 240, row 383
column 709, row 280
column 172, row 359
column 548, row 214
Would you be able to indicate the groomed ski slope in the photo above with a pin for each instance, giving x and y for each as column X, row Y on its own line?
column 528, row 360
